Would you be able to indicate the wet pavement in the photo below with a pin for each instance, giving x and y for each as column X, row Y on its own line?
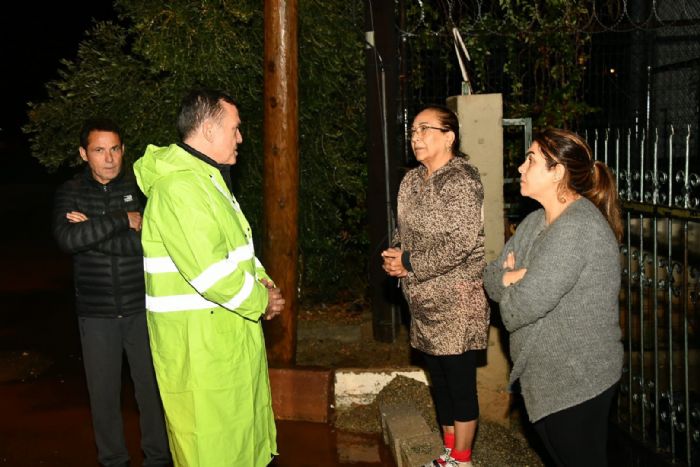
column 44, row 411
column 46, row 422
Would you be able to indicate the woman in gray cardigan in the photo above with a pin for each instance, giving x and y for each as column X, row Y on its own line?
column 440, row 262
column 557, row 282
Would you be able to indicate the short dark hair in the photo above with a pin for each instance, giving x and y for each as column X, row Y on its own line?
column 98, row 124
column 197, row 106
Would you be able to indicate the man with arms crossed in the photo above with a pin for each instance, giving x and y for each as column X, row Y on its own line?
column 97, row 218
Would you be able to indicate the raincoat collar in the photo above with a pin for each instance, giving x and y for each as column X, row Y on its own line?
column 223, row 168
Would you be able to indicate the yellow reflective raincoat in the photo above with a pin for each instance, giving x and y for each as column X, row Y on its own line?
column 205, row 301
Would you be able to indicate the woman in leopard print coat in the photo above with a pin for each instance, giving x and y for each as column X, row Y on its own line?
column 439, row 259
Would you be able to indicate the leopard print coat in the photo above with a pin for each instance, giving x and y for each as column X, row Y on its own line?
column 440, row 222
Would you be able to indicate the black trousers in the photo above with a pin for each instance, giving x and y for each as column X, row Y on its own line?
column 104, row 340
column 578, row 436
column 453, row 382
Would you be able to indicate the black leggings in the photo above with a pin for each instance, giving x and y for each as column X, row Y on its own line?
column 453, row 379
column 578, row 436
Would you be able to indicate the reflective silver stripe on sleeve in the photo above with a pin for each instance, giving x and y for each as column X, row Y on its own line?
column 159, row 265
column 178, row 303
column 223, row 268
column 244, row 293
column 187, row 302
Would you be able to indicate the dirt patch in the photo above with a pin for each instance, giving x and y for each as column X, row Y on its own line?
column 348, row 341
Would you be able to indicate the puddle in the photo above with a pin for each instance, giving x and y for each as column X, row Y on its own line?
column 306, row 444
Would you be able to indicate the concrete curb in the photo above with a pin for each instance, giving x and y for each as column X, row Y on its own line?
column 408, row 436
column 404, row 430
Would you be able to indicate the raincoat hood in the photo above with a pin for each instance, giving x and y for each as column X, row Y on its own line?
column 158, row 162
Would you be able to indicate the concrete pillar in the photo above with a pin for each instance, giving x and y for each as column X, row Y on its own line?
column 481, row 136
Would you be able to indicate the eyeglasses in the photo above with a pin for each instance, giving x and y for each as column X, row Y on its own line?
column 420, row 131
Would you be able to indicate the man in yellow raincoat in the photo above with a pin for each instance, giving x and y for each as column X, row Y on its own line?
column 206, row 293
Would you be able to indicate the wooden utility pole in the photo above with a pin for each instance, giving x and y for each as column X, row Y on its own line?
column 281, row 171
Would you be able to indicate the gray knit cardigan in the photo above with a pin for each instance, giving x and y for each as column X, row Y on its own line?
column 563, row 316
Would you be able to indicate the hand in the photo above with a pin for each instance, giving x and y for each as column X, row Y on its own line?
column 511, row 277
column 135, row 220
column 392, row 262
column 76, row 216
column 267, row 283
column 509, row 263
column 275, row 302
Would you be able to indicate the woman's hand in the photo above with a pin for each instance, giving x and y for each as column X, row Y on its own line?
column 509, row 263
column 392, row 262
column 512, row 275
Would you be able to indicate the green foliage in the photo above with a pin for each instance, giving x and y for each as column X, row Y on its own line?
column 87, row 87
column 547, row 53
column 136, row 71
column 333, row 145
column 533, row 52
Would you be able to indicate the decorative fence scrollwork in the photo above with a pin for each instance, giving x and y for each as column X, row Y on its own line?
column 658, row 183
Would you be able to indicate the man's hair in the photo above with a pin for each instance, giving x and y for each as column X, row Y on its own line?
column 198, row 106
column 98, row 124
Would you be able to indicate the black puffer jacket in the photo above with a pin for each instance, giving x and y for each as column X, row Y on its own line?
column 107, row 254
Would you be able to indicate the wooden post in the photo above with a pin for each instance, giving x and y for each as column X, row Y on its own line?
column 281, row 171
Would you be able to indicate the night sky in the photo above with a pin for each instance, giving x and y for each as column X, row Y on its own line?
column 33, row 39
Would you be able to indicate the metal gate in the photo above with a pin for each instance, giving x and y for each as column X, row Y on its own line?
column 658, row 183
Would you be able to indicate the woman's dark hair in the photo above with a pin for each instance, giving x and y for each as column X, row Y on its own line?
column 449, row 121
column 199, row 105
column 583, row 175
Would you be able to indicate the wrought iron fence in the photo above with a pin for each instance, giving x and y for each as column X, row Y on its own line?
column 659, row 185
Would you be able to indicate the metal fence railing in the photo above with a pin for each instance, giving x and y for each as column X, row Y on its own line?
column 658, row 182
